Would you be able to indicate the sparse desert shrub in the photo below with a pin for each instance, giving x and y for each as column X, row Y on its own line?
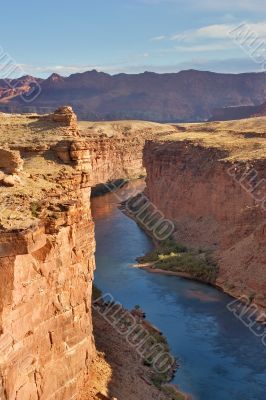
column 170, row 256
column 35, row 208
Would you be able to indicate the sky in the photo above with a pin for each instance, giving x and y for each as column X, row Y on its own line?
column 131, row 36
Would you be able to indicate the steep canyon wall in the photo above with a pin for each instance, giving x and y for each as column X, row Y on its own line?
column 47, row 246
column 212, row 186
column 46, row 330
column 46, row 262
column 47, row 168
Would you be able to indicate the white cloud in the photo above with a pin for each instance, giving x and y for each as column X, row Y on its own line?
column 259, row 28
column 158, row 38
column 218, row 31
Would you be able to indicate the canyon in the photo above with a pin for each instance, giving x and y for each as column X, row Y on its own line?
column 48, row 166
column 198, row 175
column 183, row 96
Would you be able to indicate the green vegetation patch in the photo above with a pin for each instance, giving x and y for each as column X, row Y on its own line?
column 170, row 256
column 35, row 208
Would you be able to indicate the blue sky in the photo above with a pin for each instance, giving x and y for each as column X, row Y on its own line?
column 128, row 35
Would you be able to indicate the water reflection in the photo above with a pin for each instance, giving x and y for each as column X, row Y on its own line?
column 221, row 359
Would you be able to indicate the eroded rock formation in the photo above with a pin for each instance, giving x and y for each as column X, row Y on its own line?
column 10, row 161
column 66, row 117
column 46, row 343
column 195, row 177
column 106, row 159
column 47, row 248
column 10, row 165
column 210, row 180
column 46, row 264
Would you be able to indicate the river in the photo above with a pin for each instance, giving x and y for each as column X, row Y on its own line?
column 221, row 359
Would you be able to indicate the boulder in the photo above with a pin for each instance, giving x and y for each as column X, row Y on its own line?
column 66, row 117
column 10, row 161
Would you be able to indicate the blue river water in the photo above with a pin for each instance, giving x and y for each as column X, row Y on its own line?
column 221, row 359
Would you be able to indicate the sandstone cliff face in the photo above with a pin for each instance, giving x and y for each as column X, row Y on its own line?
column 107, row 159
column 46, row 268
column 46, row 342
column 116, row 148
column 209, row 193
column 47, row 245
column 110, row 151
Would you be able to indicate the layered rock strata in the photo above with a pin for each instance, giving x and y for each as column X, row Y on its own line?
column 46, row 266
column 116, row 148
column 65, row 117
column 47, row 168
column 209, row 179
column 46, row 342
column 46, row 330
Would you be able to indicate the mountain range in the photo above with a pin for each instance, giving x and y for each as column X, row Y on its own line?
column 184, row 96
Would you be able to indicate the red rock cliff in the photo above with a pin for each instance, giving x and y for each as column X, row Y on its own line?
column 210, row 180
column 116, row 148
column 107, row 159
column 46, row 263
column 46, row 342
column 47, row 168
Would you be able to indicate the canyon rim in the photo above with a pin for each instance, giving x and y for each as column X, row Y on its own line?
column 49, row 164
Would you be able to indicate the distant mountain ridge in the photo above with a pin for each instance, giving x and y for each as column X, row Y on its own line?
column 173, row 97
